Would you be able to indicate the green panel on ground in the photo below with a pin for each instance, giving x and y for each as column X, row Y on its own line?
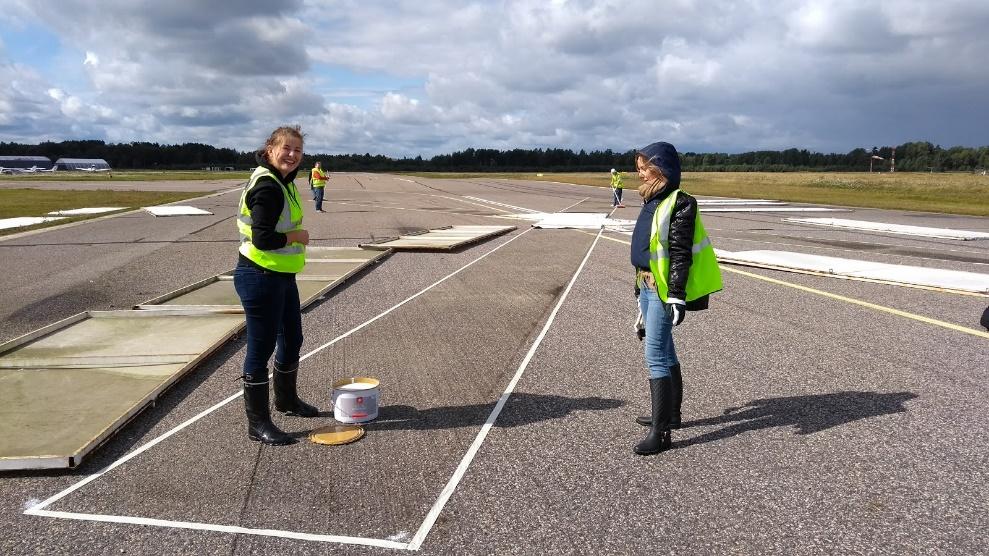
column 66, row 390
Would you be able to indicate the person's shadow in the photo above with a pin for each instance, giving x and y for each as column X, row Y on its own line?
column 520, row 409
column 807, row 414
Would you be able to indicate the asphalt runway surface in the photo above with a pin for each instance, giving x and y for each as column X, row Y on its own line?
column 821, row 415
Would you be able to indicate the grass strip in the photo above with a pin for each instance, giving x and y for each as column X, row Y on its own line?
column 954, row 193
column 39, row 202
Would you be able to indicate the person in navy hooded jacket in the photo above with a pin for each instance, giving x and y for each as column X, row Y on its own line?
column 669, row 245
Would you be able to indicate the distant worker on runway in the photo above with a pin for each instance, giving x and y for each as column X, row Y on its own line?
column 272, row 252
column 676, row 270
column 317, row 181
column 617, row 188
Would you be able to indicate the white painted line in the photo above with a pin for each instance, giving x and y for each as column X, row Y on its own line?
column 940, row 233
column 585, row 220
column 458, row 474
column 740, row 202
column 220, row 528
column 772, row 209
column 130, row 456
column 38, row 509
column 496, row 203
column 396, row 306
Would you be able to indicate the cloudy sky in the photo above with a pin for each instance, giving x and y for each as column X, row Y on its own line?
column 407, row 78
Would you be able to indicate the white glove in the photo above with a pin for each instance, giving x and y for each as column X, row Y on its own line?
column 676, row 309
column 640, row 326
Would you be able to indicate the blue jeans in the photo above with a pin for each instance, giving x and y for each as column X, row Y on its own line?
column 660, row 352
column 274, row 319
column 317, row 195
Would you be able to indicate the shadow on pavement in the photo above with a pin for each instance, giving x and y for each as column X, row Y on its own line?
column 521, row 409
column 808, row 414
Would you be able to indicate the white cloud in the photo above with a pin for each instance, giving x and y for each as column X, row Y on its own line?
column 718, row 75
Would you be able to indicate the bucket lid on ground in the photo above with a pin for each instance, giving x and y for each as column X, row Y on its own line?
column 334, row 435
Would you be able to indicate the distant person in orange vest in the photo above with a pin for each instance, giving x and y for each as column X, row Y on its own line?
column 317, row 181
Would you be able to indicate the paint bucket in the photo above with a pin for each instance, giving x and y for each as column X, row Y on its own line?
column 355, row 399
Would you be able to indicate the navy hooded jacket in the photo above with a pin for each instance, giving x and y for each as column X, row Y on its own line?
column 664, row 155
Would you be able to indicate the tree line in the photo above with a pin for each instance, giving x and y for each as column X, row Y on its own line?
column 910, row 157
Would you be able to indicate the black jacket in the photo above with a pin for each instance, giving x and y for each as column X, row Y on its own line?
column 266, row 201
column 681, row 237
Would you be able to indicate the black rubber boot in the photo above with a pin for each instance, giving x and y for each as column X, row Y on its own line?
column 287, row 396
column 259, row 425
column 677, row 396
column 658, row 438
column 646, row 420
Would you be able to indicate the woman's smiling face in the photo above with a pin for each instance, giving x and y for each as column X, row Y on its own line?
column 286, row 154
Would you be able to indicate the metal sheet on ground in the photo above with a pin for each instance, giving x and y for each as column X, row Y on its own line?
column 442, row 238
column 69, row 386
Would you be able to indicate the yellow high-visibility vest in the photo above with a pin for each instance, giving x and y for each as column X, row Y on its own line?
column 290, row 258
column 616, row 181
column 704, row 276
column 317, row 178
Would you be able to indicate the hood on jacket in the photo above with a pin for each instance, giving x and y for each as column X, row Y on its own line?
column 664, row 155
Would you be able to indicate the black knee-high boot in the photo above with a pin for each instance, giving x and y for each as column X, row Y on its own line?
column 658, row 438
column 646, row 420
column 677, row 394
column 259, row 425
column 286, row 394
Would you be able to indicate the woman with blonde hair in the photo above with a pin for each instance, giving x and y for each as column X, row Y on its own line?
column 676, row 271
column 272, row 251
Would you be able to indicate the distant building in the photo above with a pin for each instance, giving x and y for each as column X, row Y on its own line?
column 25, row 162
column 86, row 164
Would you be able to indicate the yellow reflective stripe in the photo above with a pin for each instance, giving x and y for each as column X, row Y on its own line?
column 291, row 257
column 706, row 242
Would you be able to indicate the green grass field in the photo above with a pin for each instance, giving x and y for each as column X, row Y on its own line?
column 38, row 202
column 127, row 175
column 960, row 193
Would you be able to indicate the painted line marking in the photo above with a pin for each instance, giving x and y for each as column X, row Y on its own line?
column 437, row 508
column 897, row 312
column 39, row 509
column 221, row 528
column 461, row 470
column 882, row 308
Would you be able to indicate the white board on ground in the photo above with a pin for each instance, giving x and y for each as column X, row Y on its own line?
column 899, row 274
column 89, row 210
column 21, row 221
column 940, row 233
column 176, row 210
